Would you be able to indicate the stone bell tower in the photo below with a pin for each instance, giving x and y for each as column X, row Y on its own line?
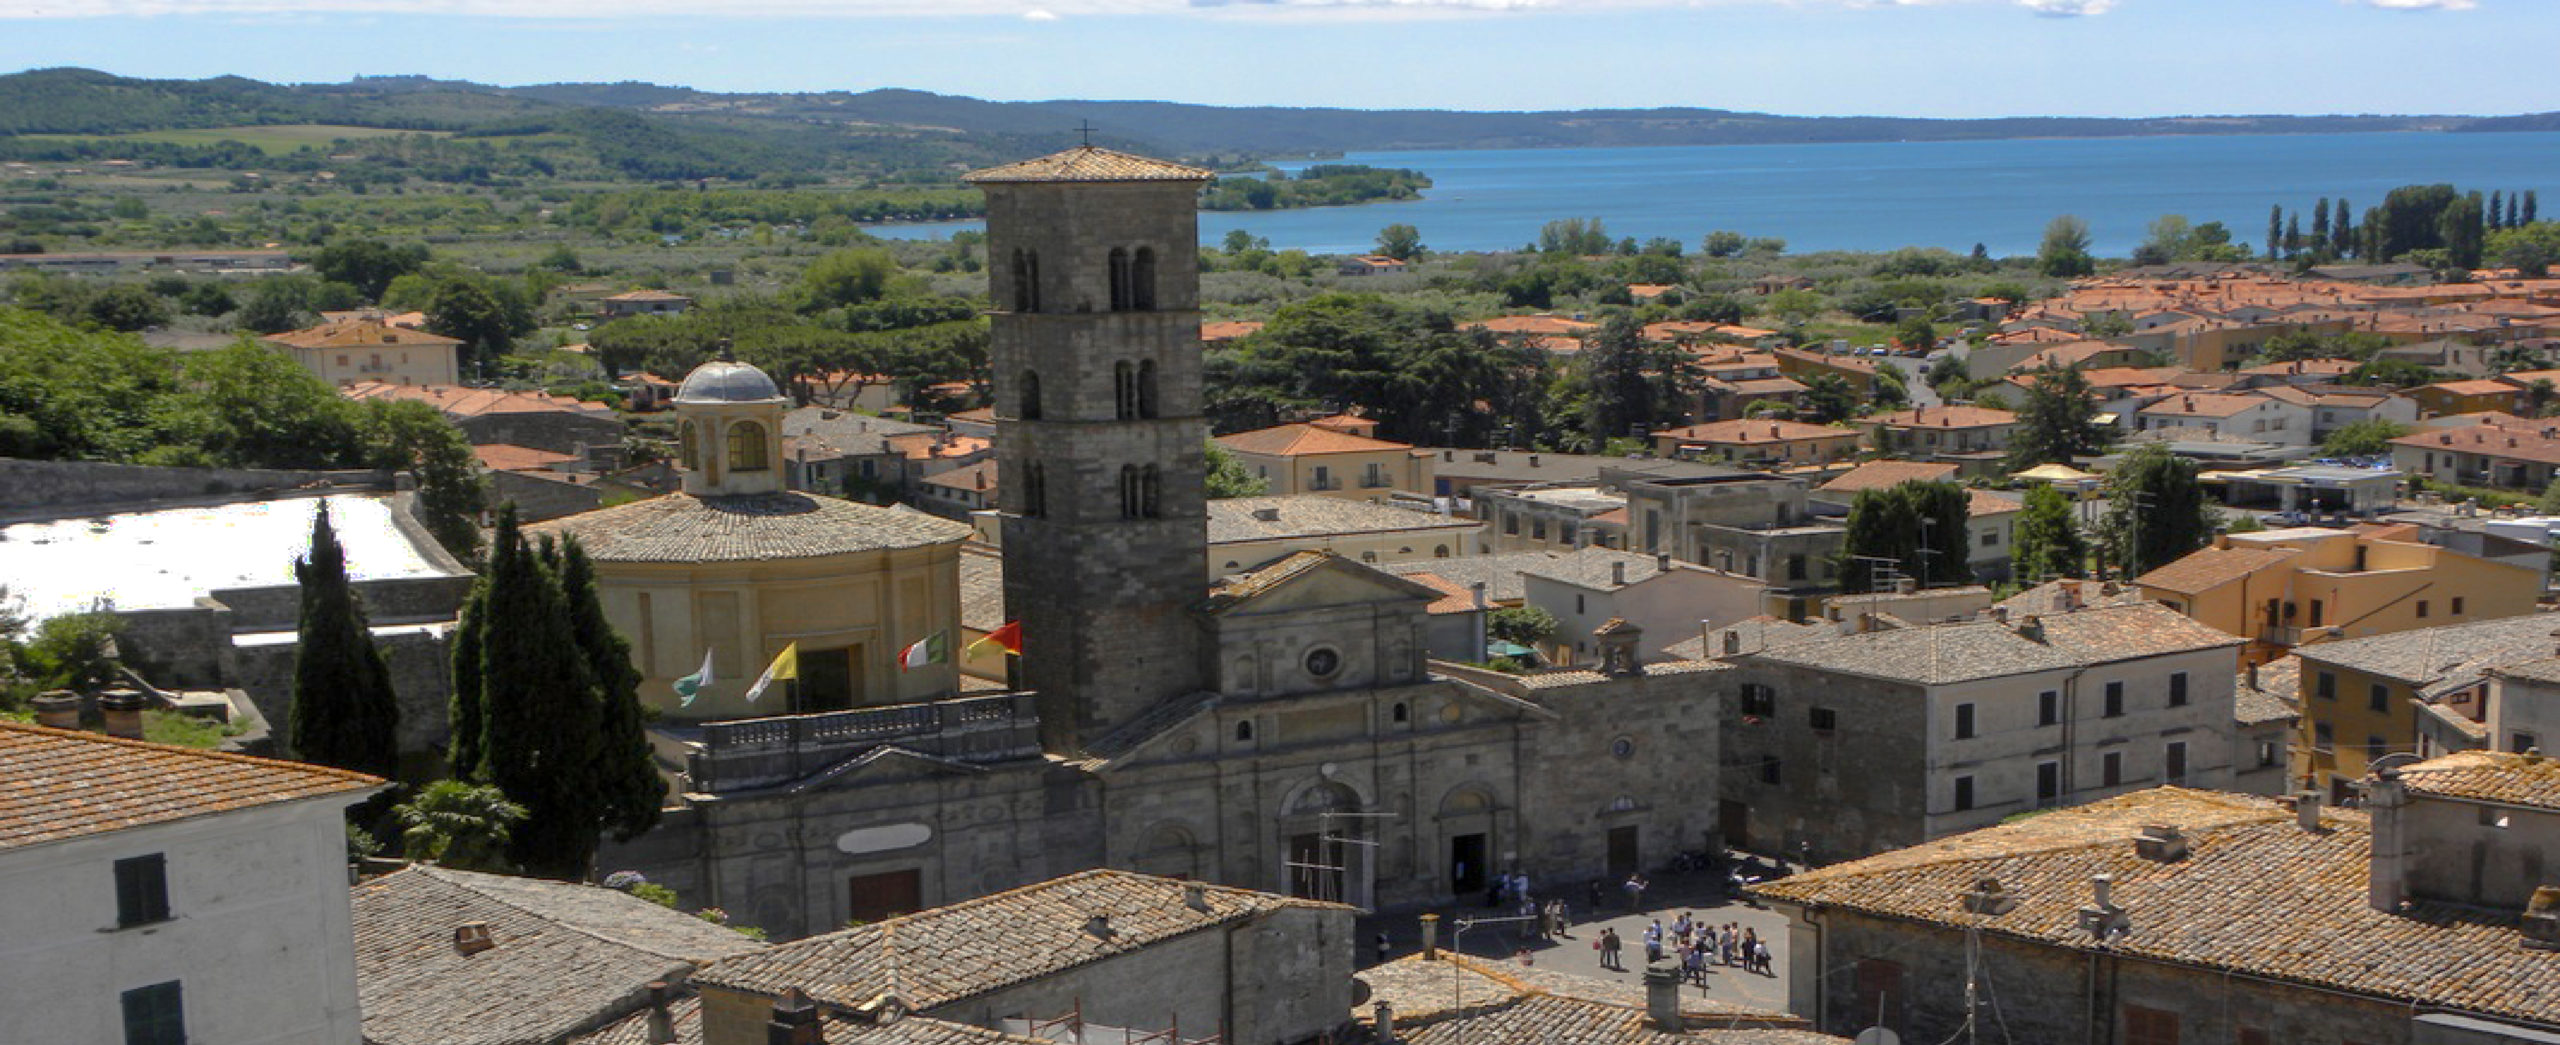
column 1093, row 262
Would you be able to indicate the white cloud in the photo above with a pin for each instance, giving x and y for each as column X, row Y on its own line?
column 2067, row 8
column 1039, row 14
column 2424, row 5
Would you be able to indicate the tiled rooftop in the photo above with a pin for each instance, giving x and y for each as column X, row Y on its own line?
column 685, row 1018
column 2256, row 895
column 936, row 957
column 2527, row 779
column 361, row 333
column 1087, row 163
column 2208, row 568
column 1754, row 432
column 2277, row 696
column 1484, row 1003
column 1946, row 653
column 57, row 785
column 568, row 957
column 682, row 528
column 1295, row 440
column 1500, row 573
column 2453, row 653
column 981, row 587
column 1945, row 417
column 1881, row 475
column 1236, row 519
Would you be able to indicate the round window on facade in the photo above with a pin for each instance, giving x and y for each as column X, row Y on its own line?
column 1623, row 747
column 1322, row 661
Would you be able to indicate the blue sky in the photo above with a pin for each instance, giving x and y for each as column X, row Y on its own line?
column 1814, row 57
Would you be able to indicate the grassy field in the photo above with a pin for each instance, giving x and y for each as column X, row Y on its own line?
column 272, row 139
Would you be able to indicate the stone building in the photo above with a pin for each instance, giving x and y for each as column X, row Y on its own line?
column 1761, row 526
column 1281, row 730
column 2174, row 915
column 1867, row 740
column 738, row 568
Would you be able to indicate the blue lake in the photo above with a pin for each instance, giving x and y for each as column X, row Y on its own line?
column 1879, row 196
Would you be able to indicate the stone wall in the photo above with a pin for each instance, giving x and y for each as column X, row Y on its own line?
column 561, row 433
column 421, row 677
column 538, row 499
column 47, row 488
column 1856, row 789
column 1624, row 754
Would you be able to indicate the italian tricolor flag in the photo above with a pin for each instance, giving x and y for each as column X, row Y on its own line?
column 932, row 649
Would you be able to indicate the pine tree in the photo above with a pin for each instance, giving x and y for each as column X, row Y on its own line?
column 539, row 717
column 2320, row 227
column 2515, row 211
column 344, row 711
column 625, row 770
column 2057, row 422
column 2048, row 544
column 2497, row 213
column 2293, row 236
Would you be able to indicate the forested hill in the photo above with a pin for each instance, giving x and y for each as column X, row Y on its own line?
column 80, row 101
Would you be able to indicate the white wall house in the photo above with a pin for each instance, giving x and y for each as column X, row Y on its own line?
column 1667, row 599
column 164, row 896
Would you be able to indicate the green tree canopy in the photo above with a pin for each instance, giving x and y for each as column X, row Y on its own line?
column 537, row 724
column 1227, row 476
column 2156, row 510
column 369, row 265
column 625, row 773
column 1400, row 241
column 1914, row 529
column 2048, row 542
column 2057, row 422
column 2064, row 253
column 456, row 824
column 344, row 711
column 848, row 277
column 2363, row 438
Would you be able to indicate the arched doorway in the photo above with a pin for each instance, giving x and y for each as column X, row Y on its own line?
column 1328, row 849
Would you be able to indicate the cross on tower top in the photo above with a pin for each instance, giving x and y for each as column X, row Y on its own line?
column 1086, row 128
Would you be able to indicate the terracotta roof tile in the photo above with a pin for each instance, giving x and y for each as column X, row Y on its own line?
column 1235, row 519
column 2208, row 568
column 1755, row 432
column 680, row 527
column 1297, row 440
column 1946, row 653
column 1945, row 417
column 361, row 333
column 1087, row 163
column 1884, row 475
column 2276, row 697
column 508, row 457
column 57, row 785
column 2489, row 776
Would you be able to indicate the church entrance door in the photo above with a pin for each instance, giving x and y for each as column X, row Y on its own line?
column 1623, row 859
column 826, row 679
column 1466, row 864
column 1733, row 821
column 878, row 897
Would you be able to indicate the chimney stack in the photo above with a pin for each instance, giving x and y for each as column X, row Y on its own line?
column 795, row 1021
column 1430, row 937
column 1662, row 998
column 2306, row 809
column 1195, row 896
column 662, row 1024
column 2161, row 843
column 470, row 938
column 1618, row 574
column 1662, row 561
column 2387, row 870
column 58, row 708
column 1384, row 1023
column 2102, row 890
column 123, row 711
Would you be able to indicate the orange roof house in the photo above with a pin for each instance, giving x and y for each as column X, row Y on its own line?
column 1325, row 459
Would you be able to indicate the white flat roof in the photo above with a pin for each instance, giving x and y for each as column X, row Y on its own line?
column 169, row 557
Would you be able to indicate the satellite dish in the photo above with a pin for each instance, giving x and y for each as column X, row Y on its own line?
column 1877, row 1036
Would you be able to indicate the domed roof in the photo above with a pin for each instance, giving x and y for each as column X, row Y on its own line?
column 726, row 381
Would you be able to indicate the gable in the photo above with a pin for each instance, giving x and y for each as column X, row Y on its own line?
column 1299, row 585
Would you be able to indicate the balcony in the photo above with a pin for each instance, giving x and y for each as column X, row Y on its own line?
column 1324, row 483
column 764, row 752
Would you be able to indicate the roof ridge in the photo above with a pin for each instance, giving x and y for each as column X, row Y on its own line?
column 276, row 764
column 439, row 873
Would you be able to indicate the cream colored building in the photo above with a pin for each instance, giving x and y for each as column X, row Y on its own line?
column 1322, row 459
column 353, row 351
column 738, row 567
column 2294, row 587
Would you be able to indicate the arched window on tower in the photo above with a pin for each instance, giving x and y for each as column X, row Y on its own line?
column 1142, row 280
column 1121, row 295
column 1124, row 390
column 1151, row 493
column 1147, row 388
column 691, row 446
column 1030, row 409
column 1026, row 280
column 1129, row 491
column 747, row 450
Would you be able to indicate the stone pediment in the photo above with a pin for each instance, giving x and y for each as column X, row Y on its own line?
column 1311, row 581
column 877, row 763
column 1190, row 728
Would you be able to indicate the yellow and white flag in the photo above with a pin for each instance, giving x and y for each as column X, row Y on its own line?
column 786, row 665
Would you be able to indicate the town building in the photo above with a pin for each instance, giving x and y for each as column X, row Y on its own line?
column 2502, row 451
column 2419, row 692
column 2180, row 915
column 1247, row 533
column 1530, row 518
column 2285, row 588
column 834, row 451
column 2260, row 418
column 1464, row 473
column 1760, row 526
column 643, row 303
column 1932, row 433
column 448, row 957
column 734, row 569
column 2468, row 396
column 2524, row 706
column 1108, row 953
column 351, row 351
column 1880, row 738
column 535, row 419
column 2267, row 753
column 168, row 895
column 1320, row 459
column 1591, row 589
column 1764, row 444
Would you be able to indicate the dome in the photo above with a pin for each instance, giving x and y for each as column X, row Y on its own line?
column 725, row 381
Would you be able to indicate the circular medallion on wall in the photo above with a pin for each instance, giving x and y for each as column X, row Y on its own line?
column 1323, row 661
column 1623, row 747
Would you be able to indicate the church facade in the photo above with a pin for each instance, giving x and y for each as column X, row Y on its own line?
column 1279, row 730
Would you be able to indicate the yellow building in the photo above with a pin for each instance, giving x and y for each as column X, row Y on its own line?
column 1759, row 443
column 738, row 568
column 2294, row 587
column 351, row 351
column 2363, row 699
column 1324, row 459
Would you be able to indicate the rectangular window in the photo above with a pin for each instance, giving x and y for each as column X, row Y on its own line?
column 2111, row 769
column 2521, row 743
column 1795, row 567
column 2422, row 609
column 2267, row 752
column 142, row 890
column 1769, row 770
column 155, row 1015
column 2324, row 736
column 2149, row 1026
column 2374, row 749
column 1964, row 721
column 2178, row 689
column 1964, row 793
column 1511, row 524
column 2378, row 697
column 1537, row 529
column 1758, row 699
column 2048, row 708
column 2326, row 686
column 2457, row 605
column 1825, row 720
column 2176, row 760
column 2048, row 783
column 2115, row 700
column 1991, row 539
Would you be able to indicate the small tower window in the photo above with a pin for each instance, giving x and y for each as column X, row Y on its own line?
column 690, row 451
column 1129, row 491
column 1142, row 280
column 1399, row 713
column 1124, row 390
column 1026, row 281
column 747, row 448
column 1244, row 731
column 1147, row 388
column 1151, row 493
column 1121, row 295
column 1030, row 410
column 1035, row 490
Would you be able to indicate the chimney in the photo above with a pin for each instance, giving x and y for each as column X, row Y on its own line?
column 1662, row 561
column 1195, row 896
column 1533, row 460
column 2031, row 628
column 58, row 708
column 470, row 938
column 2386, row 798
column 795, row 1021
column 1266, row 514
column 123, row 710
column 1383, row 1023
column 1989, row 897
column 1732, row 643
column 2253, row 674
column 1477, row 590
column 2070, row 596
column 1662, row 998
column 2541, row 922
column 2102, row 918
column 1999, row 615
column 1618, row 574
column 2222, row 540
column 662, row 1024
column 1099, row 927
column 2306, row 809
column 1430, row 937
column 2161, row 844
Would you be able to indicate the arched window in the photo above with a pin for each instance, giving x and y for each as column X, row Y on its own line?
column 747, row 451
column 1142, row 280
column 1151, row 493
column 1030, row 409
column 1398, row 713
column 1244, row 731
column 1120, row 295
column 1124, row 390
column 1440, row 551
column 1026, row 280
column 691, row 444
column 1147, row 388
column 1129, row 496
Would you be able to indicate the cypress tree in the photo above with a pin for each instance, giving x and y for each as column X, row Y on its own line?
column 463, row 751
column 625, row 770
column 2515, row 211
column 2530, row 205
column 2320, row 227
column 2497, row 216
column 2275, row 231
column 344, row 712
column 2293, row 236
column 540, row 719
column 2342, row 234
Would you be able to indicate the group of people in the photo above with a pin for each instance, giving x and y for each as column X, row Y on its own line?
column 1698, row 945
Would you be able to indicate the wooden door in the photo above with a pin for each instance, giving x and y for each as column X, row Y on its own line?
column 1466, row 864
column 1733, row 821
column 879, row 897
column 1623, row 852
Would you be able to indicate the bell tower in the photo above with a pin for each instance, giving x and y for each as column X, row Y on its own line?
column 1093, row 262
